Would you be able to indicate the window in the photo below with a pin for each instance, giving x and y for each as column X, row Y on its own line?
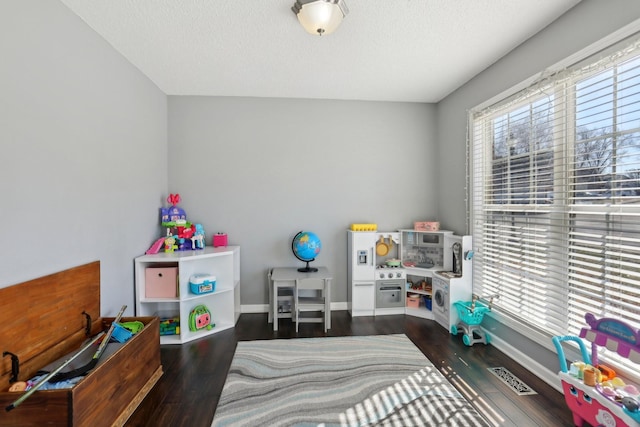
column 556, row 196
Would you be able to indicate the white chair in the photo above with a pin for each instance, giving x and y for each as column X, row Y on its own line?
column 280, row 300
column 311, row 295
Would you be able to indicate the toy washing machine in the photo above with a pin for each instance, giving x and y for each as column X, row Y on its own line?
column 446, row 291
column 440, row 301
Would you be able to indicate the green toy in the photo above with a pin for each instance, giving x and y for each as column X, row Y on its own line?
column 200, row 318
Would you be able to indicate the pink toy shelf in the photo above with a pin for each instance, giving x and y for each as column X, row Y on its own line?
column 591, row 391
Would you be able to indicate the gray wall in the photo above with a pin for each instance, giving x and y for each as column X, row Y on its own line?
column 586, row 23
column 263, row 169
column 84, row 151
column 583, row 25
column 88, row 159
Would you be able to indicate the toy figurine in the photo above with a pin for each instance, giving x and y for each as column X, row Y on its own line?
column 187, row 231
column 170, row 244
column 197, row 241
column 173, row 215
column 184, row 233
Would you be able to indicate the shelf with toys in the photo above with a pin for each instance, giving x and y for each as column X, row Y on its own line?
column 194, row 290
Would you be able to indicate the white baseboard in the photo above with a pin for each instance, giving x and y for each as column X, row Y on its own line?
column 254, row 308
column 339, row 306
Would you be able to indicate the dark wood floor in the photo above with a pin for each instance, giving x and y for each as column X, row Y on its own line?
column 194, row 373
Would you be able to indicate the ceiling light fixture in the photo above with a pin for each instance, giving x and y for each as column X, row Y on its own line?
column 320, row 17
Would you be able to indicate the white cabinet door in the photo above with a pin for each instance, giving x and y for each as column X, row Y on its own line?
column 363, row 299
column 362, row 258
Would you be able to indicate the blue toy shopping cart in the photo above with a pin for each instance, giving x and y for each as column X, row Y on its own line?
column 471, row 314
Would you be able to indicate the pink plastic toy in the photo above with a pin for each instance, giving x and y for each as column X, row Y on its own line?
column 155, row 248
column 597, row 404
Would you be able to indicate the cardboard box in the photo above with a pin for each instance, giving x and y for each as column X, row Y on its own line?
column 426, row 226
column 161, row 282
column 413, row 301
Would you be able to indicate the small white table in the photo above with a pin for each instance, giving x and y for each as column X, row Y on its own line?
column 285, row 277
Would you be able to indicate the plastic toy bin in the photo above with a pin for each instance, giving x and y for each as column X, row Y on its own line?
column 413, row 301
column 161, row 282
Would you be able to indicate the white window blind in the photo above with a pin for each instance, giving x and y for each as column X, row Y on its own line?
column 555, row 209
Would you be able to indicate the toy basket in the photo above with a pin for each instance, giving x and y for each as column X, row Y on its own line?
column 468, row 315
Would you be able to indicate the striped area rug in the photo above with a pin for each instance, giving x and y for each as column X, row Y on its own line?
column 339, row 381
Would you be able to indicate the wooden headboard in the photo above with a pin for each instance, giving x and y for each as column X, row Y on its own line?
column 41, row 320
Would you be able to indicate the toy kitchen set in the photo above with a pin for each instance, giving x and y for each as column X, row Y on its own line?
column 420, row 272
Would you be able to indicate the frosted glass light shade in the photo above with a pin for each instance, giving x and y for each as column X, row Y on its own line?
column 320, row 17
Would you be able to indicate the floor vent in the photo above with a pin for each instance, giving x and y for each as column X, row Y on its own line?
column 516, row 384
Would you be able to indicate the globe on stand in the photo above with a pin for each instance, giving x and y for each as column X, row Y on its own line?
column 306, row 246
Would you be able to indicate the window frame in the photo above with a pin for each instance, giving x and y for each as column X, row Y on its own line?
column 534, row 333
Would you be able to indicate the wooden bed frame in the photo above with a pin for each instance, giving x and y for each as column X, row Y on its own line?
column 46, row 319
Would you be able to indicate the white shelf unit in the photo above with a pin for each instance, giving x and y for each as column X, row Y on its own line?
column 421, row 311
column 223, row 303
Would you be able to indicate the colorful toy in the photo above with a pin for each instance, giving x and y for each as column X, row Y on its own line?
column 219, row 239
column 155, row 248
column 170, row 326
column 471, row 315
column 186, row 231
column 202, row 283
column 179, row 234
column 170, row 244
column 121, row 334
column 200, row 318
column 173, row 215
column 602, row 400
column 134, row 326
column 197, row 240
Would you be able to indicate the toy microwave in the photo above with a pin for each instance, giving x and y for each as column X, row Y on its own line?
column 202, row 283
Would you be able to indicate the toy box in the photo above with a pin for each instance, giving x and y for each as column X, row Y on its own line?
column 55, row 326
column 219, row 239
column 161, row 282
column 426, row 226
column 202, row 283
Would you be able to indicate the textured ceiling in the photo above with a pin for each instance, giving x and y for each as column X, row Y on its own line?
column 386, row 50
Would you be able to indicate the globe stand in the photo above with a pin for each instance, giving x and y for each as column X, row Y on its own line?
column 308, row 269
column 307, row 257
